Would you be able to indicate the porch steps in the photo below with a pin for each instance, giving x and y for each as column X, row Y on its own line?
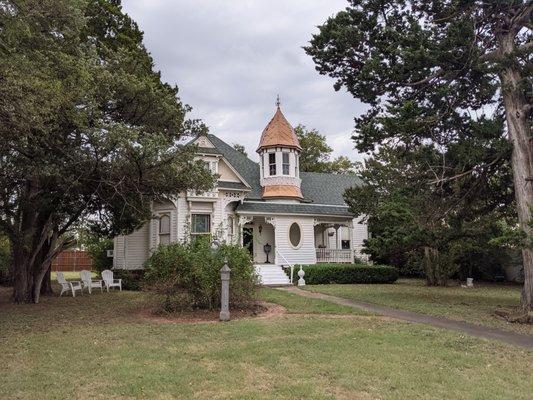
column 272, row 275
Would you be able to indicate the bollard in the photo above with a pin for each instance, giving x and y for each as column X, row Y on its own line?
column 224, row 295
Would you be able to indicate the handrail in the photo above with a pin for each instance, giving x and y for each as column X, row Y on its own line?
column 287, row 261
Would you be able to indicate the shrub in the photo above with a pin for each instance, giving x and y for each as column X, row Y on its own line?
column 188, row 274
column 131, row 279
column 347, row 273
column 5, row 261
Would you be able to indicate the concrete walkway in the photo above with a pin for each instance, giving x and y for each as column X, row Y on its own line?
column 439, row 322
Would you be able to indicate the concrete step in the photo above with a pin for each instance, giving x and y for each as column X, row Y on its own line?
column 271, row 275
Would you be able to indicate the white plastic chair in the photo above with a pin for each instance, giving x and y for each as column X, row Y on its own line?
column 88, row 282
column 109, row 282
column 68, row 285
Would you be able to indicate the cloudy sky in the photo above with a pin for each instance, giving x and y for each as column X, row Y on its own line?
column 230, row 58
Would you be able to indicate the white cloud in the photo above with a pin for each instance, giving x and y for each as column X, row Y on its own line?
column 231, row 58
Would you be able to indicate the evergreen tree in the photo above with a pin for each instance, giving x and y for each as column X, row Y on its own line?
column 431, row 67
column 88, row 130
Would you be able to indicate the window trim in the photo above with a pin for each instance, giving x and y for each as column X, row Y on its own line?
column 193, row 232
column 301, row 235
column 286, row 164
column 272, row 164
column 162, row 233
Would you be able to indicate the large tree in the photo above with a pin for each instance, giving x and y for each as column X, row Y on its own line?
column 88, row 130
column 316, row 153
column 451, row 59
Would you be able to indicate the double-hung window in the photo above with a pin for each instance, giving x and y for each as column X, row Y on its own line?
column 272, row 163
column 286, row 164
column 164, row 229
column 201, row 224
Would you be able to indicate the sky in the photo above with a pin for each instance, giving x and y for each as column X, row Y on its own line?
column 231, row 58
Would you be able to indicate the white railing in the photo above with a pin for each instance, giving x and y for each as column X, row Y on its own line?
column 334, row 256
column 288, row 263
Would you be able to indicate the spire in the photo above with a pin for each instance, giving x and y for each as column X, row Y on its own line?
column 279, row 132
column 278, row 102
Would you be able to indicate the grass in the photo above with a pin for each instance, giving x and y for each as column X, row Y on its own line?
column 295, row 304
column 98, row 346
column 71, row 275
column 475, row 305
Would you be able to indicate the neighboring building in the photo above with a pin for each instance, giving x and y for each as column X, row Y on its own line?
column 301, row 216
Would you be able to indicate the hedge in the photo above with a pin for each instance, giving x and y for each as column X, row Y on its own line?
column 346, row 273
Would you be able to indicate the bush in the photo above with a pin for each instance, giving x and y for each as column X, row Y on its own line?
column 347, row 273
column 188, row 274
column 5, row 261
column 131, row 279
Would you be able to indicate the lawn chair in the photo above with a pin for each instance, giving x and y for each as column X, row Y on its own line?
column 109, row 282
column 88, row 282
column 68, row 285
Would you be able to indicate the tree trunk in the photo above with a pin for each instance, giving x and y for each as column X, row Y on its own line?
column 430, row 259
column 46, row 287
column 22, row 277
column 517, row 114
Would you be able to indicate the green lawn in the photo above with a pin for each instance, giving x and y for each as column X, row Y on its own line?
column 475, row 305
column 295, row 304
column 99, row 346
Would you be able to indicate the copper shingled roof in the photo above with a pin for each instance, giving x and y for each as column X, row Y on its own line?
column 277, row 191
column 278, row 133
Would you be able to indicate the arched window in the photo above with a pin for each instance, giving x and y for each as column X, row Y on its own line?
column 164, row 229
column 295, row 235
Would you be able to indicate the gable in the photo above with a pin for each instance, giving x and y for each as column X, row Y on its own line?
column 203, row 142
column 226, row 173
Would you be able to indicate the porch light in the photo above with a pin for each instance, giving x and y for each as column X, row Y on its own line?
column 267, row 248
column 260, row 229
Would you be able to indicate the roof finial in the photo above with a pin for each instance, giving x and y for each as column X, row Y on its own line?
column 278, row 102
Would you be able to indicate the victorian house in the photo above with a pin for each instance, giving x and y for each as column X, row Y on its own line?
column 283, row 216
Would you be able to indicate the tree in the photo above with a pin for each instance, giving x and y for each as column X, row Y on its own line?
column 451, row 59
column 240, row 148
column 316, row 154
column 435, row 229
column 88, row 130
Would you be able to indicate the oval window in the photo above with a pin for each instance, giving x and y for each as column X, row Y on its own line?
column 295, row 234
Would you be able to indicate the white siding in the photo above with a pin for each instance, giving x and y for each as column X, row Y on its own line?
column 131, row 251
column 182, row 217
column 305, row 254
column 118, row 252
column 360, row 233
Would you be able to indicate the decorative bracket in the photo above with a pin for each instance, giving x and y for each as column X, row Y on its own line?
column 244, row 219
column 271, row 221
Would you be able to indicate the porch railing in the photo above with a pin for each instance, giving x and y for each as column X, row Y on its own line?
column 334, row 256
column 288, row 264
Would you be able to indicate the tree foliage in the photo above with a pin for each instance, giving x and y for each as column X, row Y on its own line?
column 441, row 79
column 88, row 129
column 240, row 148
column 316, row 154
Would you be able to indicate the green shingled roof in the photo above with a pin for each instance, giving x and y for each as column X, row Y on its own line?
column 317, row 188
column 284, row 208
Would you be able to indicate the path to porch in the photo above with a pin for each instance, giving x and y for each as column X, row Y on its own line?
column 438, row 322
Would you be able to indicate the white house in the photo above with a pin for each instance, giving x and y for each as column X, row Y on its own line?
column 282, row 215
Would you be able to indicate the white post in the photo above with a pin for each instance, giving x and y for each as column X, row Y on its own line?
column 301, row 274
column 224, row 295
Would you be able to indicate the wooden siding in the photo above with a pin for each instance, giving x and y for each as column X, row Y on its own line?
column 306, row 253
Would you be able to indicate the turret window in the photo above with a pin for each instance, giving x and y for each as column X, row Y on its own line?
column 272, row 163
column 286, row 164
